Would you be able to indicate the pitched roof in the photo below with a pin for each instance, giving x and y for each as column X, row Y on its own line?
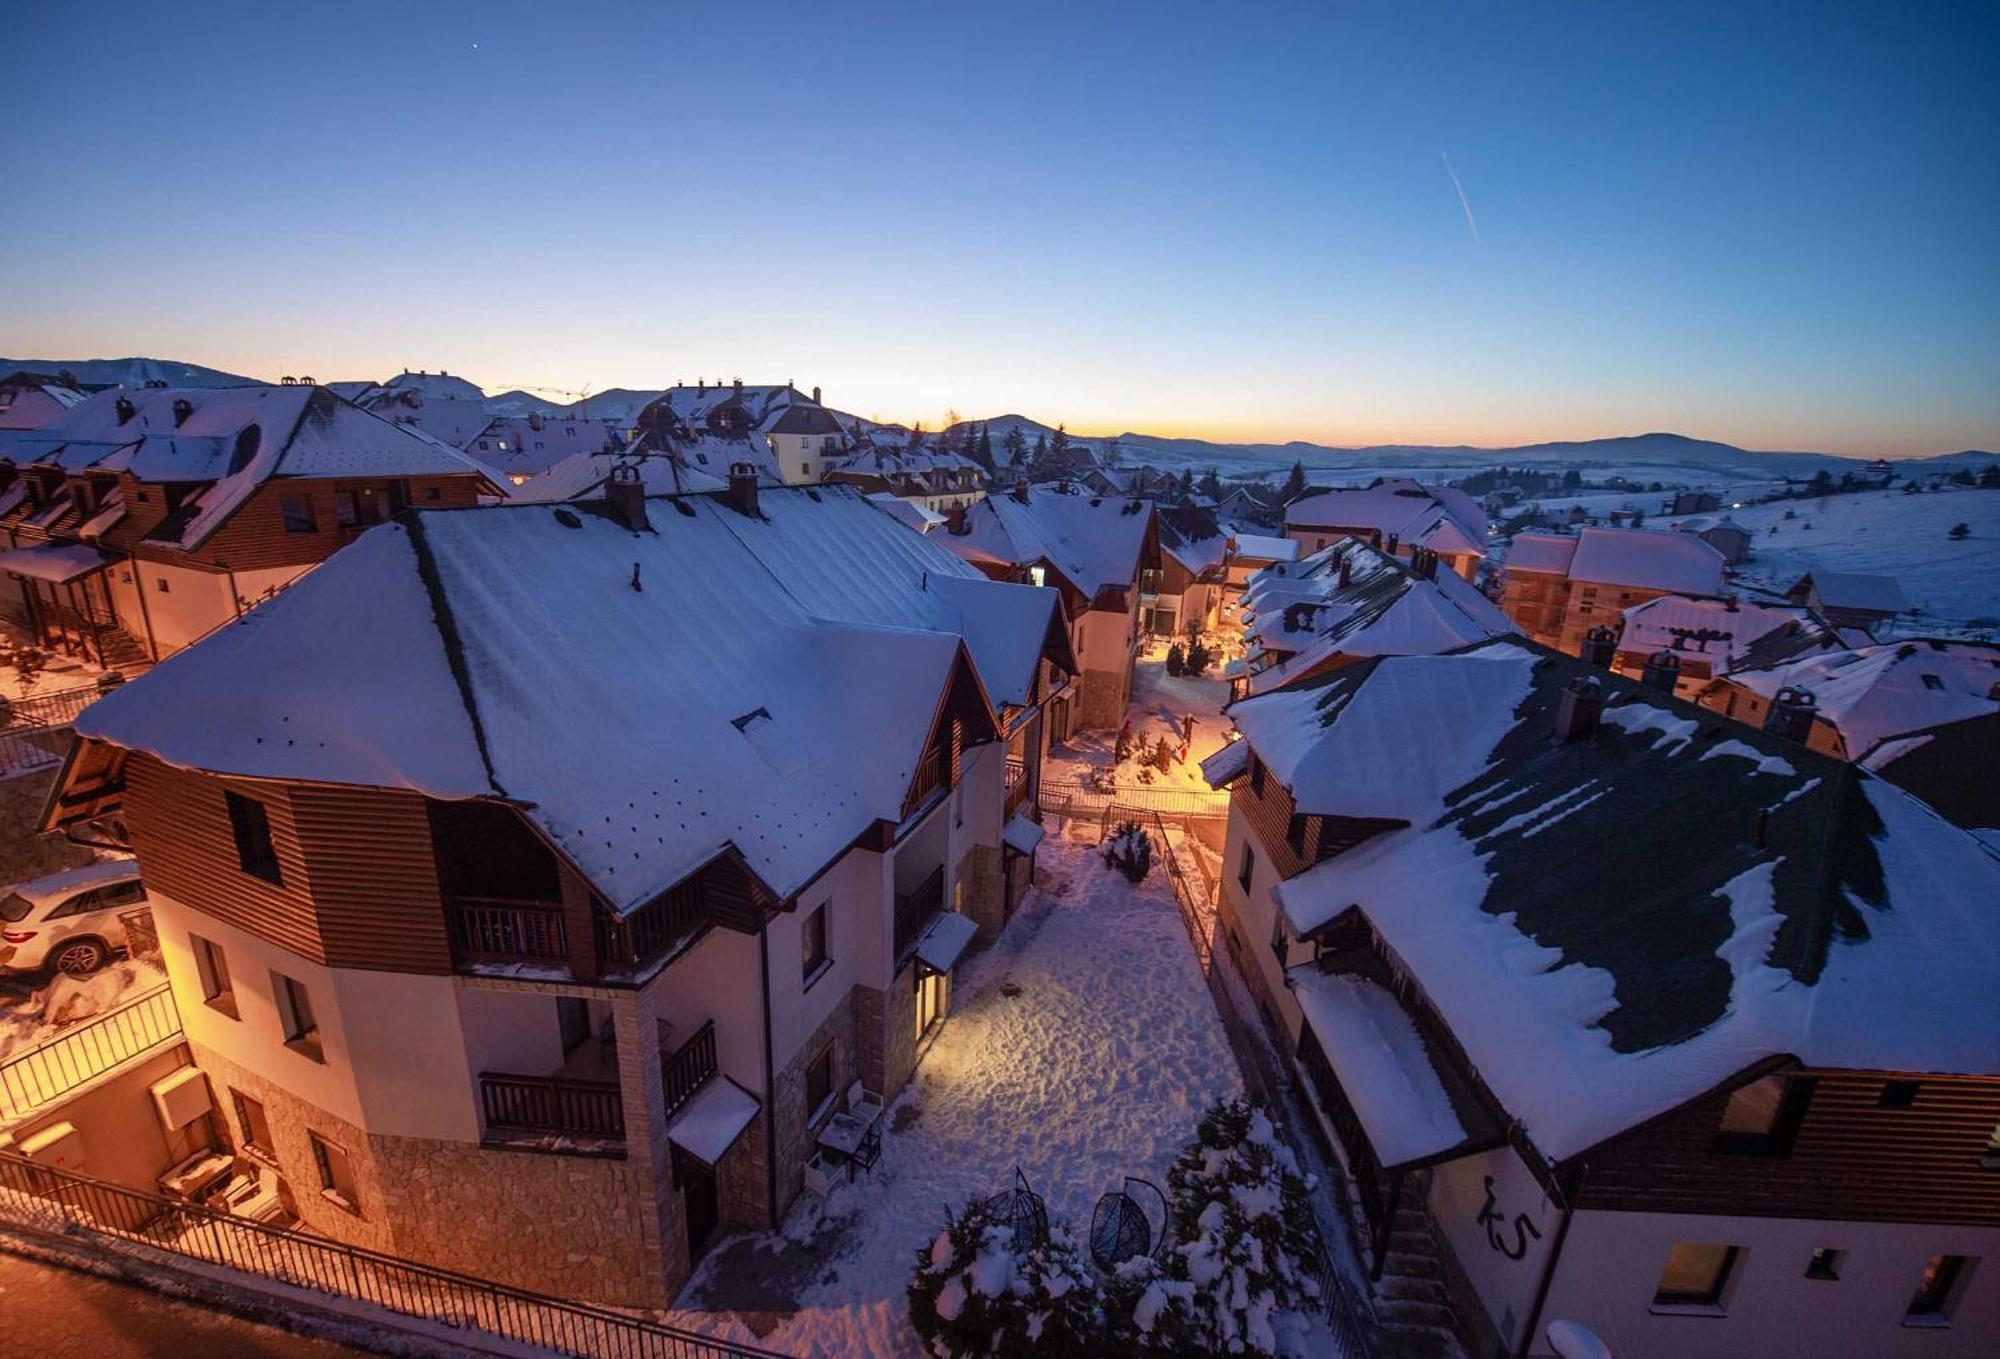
column 1949, row 767
column 1093, row 541
column 1613, row 925
column 1873, row 693
column 1854, row 590
column 1443, row 518
column 1670, row 622
column 581, row 476
column 1653, row 559
column 1193, row 536
column 505, row 651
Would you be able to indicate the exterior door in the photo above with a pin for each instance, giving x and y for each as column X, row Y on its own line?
column 698, row 1199
column 931, row 994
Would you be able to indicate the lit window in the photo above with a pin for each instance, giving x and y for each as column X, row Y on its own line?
column 212, row 966
column 295, row 1014
column 1695, row 1276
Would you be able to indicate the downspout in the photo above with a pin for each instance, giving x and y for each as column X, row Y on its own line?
column 770, row 1084
column 145, row 613
column 1549, row 1270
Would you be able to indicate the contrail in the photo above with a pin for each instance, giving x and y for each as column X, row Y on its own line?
column 1463, row 201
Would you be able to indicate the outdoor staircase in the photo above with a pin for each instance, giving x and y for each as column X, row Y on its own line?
column 1411, row 1289
column 123, row 652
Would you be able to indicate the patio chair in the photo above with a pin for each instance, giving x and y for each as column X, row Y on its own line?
column 820, row 1174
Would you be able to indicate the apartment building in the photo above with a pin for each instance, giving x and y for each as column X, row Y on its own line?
column 1184, row 594
column 1620, row 1012
column 1557, row 587
column 1700, row 638
column 1396, row 515
column 534, row 890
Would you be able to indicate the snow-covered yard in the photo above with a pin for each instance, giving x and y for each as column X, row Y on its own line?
column 1082, row 1047
column 1160, row 709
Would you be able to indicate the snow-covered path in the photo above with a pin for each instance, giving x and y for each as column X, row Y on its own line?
column 1082, row 1047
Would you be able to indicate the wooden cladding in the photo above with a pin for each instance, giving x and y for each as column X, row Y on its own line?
column 270, row 529
column 1859, row 1152
column 1292, row 843
column 356, row 883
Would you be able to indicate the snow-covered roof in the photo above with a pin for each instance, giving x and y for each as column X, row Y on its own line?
column 1442, row 518
column 945, row 939
column 1876, row 692
column 709, row 1123
column 1094, row 541
column 1854, row 590
column 57, row 562
column 1648, row 558
column 907, row 512
column 1671, row 622
column 1257, row 547
column 1384, row 1068
column 581, row 476
column 790, row 665
column 1021, row 835
column 1385, row 608
column 1550, row 552
column 523, row 445
column 1193, row 537
column 1613, row 926
column 237, row 438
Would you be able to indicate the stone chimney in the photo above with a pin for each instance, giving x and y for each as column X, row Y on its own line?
column 1600, row 644
column 1580, row 707
column 1663, row 671
column 743, row 488
column 183, row 408
column 625, row 492
column 816, row 400
column 738, row 384
column 1792, row 713
column 126, row 410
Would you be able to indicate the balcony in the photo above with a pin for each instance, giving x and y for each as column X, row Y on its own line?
column 1015, row 780
column 688, row 1067
column 932, row 778
column 531, row 1110
column 507, row 930
column 914, row 911
column 653, row 930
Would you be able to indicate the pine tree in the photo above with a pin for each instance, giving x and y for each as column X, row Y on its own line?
column 1187, row 480
column 984, row 452
column 1176, row 659
column 1295, row 484
column 1197, row 659
column 1211, row 485
column 1016, row 445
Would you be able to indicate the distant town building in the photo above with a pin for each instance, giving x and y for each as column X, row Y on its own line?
column 1557, row 587
column 1850, row 599
column 1398, row 516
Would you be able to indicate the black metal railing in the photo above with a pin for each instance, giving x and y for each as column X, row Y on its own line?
column 914, row 910
column 506, row 930
column 57, row 709
column 123, row 1222
column 548, row 1104
column 86, row 1050
column 687, row 1068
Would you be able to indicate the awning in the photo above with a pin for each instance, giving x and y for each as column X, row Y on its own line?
column 707, row 1126
column 54, row 562
column 1021, row 835
column 945, row 940
column 1230, row 762
column 1385, row 1071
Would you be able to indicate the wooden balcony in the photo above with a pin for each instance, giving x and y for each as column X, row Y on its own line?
column 651, row 931
column 933, row 777
column 507, row 930
column 518, row 1108
column 915, row 909
column 687, row 1068
column 1015, row 780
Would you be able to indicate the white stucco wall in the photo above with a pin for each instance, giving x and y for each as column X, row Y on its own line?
column 1256, row 911
column 1523, row 1223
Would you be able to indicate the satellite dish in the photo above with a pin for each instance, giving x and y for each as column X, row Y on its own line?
column 1574, row 1340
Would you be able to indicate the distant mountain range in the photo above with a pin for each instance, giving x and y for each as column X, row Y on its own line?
column 1642, row 450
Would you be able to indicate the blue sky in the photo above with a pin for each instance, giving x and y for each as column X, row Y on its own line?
column 1775, row 227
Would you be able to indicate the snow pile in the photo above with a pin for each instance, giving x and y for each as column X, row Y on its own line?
column 977, row 1291
column 66, row 1001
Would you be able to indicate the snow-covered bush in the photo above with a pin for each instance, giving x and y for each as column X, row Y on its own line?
column 1197, row 659
column 1130, row 851
column 974, row 1293
column 1244, row 1241
column 1121, row 750
column 1176, row 659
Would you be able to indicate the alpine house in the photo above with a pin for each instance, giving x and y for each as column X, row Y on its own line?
column 1398, row 515
column 1559, row 587
column 586, row 867
column 1634, row 1015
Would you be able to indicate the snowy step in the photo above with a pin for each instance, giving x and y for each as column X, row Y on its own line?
column 1409, row 1288
column 1413, row 1264
column 1400, row 1313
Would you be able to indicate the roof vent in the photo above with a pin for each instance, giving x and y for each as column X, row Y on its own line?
column 1346, row 570
column 743, row 489
column 1792, row 713
column 183, row 408
column 1663, row 671
column 625, row 491
column 1580, row 707
column 568, row 519
column 126, row 410
column 1600, row 644
column 1391, row 546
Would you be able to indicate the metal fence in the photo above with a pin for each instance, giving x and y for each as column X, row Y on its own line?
column 86, row 1050
column 1068, row 797
column 33, row 731
column 41, row 1197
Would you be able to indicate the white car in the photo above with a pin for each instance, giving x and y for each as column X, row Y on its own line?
column 69, row 920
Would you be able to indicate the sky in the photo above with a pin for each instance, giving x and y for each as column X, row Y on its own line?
column 1775, row 224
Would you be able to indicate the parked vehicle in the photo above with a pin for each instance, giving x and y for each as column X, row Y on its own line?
column 70, row 920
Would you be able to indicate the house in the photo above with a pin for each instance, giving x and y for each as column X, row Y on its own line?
column 907, row 512
column 1557, row 587
column 1184, row 594
column 1847, row 703
column 1351, row 602
column 584, row 476
column 1706, row 637
column 1950, row 768
column 932, row 479
column 1694, row 502
column 520, row 447
column 1656, row 1022
column 1249, row 554
column 139, row 520
column 1398, row 515
column 536, row 865
column 1725, row 535
column 31, row 400
column 1850, row 599
column 1251, row 503
column 1094, row 549
column 790, row 437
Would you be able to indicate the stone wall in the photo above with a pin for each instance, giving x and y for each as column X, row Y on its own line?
column 24, row 851
column 983, row 898
column 795, row 1135
column 740, row 1180
column 1101, row 700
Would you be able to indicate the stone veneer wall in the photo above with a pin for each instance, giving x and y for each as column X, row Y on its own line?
column 888, row 1022
column 795, row 1137
column 983, row 898
column 740, row 1183
column 1100, row 703
column 567, row 1225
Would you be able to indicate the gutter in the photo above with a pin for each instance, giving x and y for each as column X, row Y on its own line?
column 1549, row 1270
column 770, row 1084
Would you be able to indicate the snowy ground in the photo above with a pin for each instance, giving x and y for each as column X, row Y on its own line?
column 1082, row 1047
column 58, row 673
column 1952, row 584
column 1161, row 703
column 35, row 1009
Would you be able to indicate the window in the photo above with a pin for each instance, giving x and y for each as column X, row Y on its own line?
column 253, row 1128
column 1932, row 682
column 958, row 806
column 1938, row 1290
column 213, row 968
column 160, row 584
column 1824, row 1264
column 298, row 512
column 1256, row 776
column 432, row 493
column 819, row 1086
column 1249, row 867
column 1295, row 834
column 1279, row 944
column 813, row 944
column 295, row 1013
column 251, row 825
column 1763, row 1117
column 1695, row 1276
column 1897, row 1095
column 346, row 509
column 336, row 1175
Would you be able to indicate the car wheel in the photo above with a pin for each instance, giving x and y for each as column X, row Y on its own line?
column 80, row 957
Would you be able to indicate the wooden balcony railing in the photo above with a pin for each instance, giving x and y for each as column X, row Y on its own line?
column 688, row 1067
column 650, row 931
column 933, row 777
column 1015, row 779
column 506, row 930
column 545, row 1104
column 914, row 910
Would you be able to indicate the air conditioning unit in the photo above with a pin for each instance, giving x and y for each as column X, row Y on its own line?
column 181, row 1098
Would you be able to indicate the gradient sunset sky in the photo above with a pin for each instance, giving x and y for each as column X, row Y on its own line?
column 1774, row 224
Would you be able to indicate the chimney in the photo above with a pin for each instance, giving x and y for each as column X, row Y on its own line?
column 739, row 386
column 1792, row 713
column 1600, row 644
column 1021, row 489
column 743, row 488
column 1391, row 548
column 1346, row 570
column 625, row 492
column 1663, row 670
column 955, row 521
column 183, row 408
column 126, row 410
column 1425, row 562
column 816, row 400
column 1578, row 710
column 1375, row 540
